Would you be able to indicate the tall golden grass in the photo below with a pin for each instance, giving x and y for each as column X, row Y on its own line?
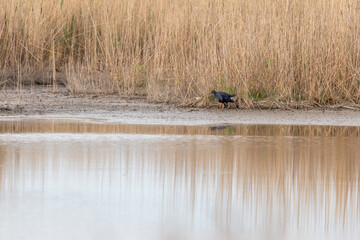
column 288, row 51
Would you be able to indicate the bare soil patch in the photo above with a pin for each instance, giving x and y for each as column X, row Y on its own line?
column 39, row 102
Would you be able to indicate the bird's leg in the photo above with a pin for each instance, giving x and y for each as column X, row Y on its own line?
column 216, row 104
column 222, row 105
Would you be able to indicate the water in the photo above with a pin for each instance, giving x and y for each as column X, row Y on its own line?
column 86, row 180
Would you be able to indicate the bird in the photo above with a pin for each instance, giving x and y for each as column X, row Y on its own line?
column 222, row 97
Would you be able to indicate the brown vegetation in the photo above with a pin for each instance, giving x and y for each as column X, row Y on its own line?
column 288, row 51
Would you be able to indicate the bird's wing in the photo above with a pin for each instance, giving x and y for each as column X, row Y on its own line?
column 219, row 96
column 227, row 98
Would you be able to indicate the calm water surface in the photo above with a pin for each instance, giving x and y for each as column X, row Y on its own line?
column 78, row 180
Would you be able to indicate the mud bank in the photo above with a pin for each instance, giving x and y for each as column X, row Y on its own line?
column 43, row 103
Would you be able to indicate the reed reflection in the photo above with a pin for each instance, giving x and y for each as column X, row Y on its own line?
column 257, row 183
column 75, row 126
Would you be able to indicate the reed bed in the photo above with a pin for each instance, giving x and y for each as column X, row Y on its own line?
column 289, row 51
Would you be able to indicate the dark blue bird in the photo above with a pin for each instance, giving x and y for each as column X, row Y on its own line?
column 222, row 97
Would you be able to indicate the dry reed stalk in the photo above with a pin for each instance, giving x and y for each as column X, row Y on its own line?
column 288, row 51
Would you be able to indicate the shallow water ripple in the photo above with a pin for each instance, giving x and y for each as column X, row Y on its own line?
column 154, row 182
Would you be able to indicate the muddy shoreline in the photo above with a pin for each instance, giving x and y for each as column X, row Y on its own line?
column 42, row 103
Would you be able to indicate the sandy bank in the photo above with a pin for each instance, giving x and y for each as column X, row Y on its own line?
column 42, row 103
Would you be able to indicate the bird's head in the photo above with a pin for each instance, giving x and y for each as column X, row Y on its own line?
column 213, row 92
